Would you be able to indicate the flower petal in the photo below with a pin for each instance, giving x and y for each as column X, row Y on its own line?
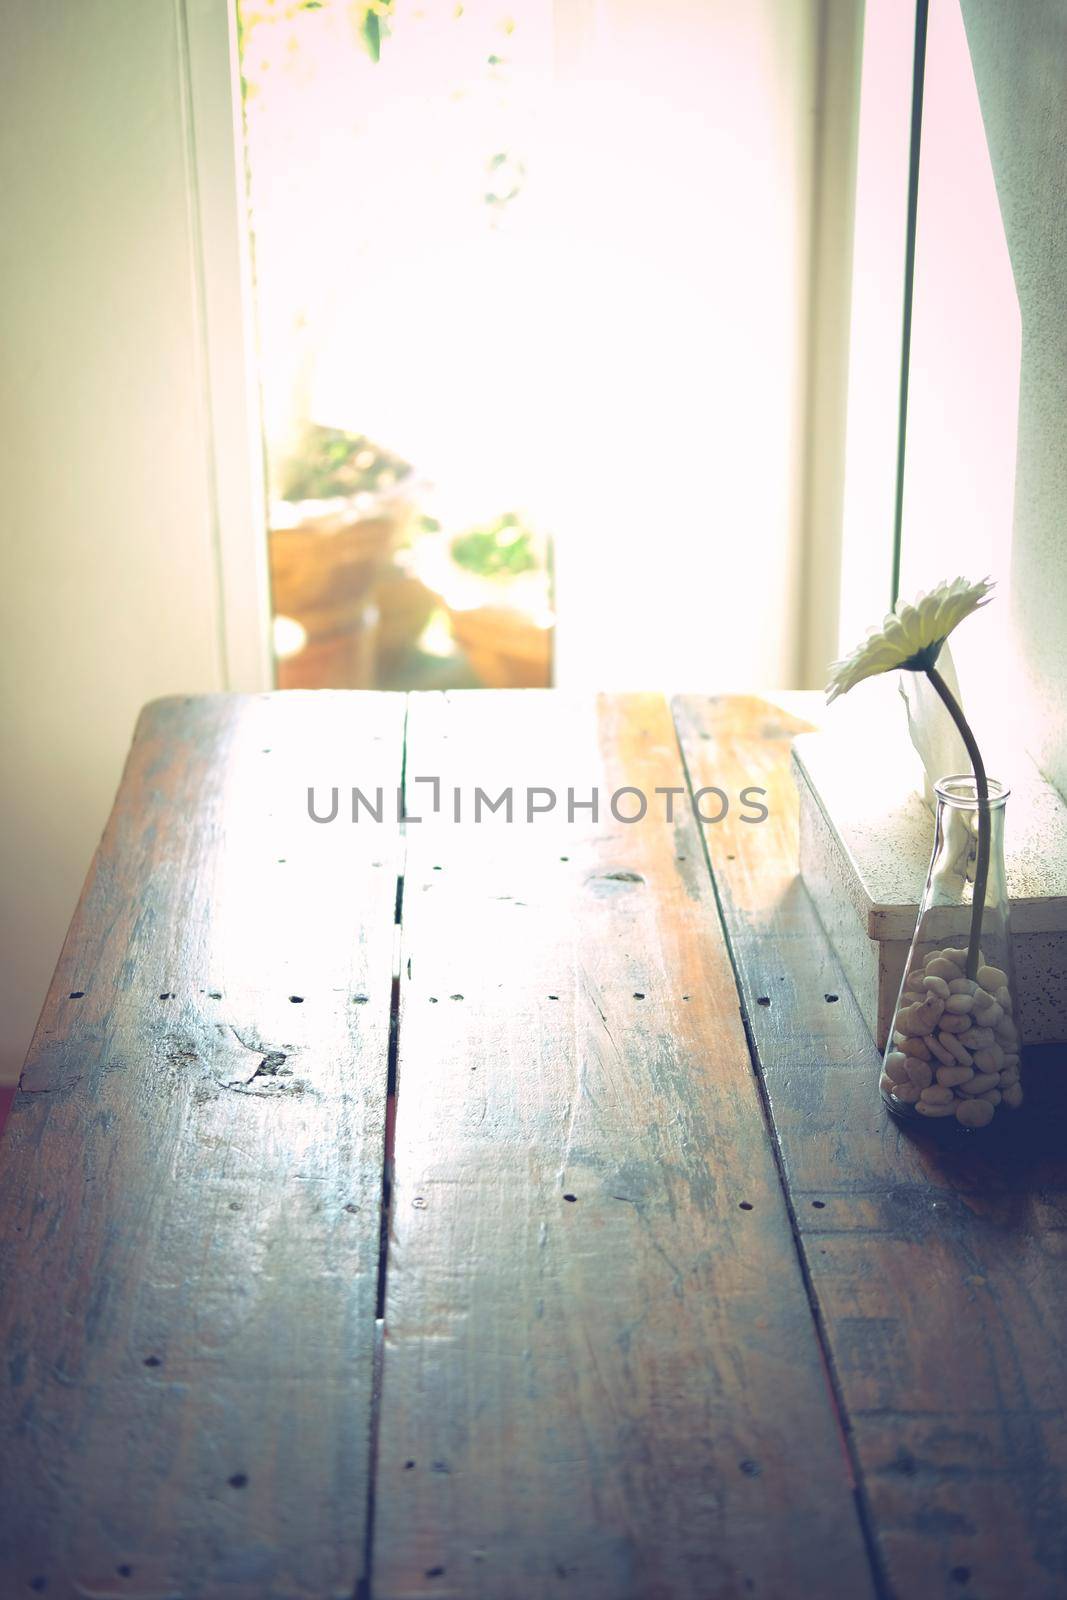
column 911, row 628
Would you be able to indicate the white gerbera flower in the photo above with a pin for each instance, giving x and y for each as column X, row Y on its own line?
column 911, row 635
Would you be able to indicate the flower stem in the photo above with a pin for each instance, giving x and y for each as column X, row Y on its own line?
column 981, row 784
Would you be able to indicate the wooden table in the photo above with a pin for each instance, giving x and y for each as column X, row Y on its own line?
column 501, row 1210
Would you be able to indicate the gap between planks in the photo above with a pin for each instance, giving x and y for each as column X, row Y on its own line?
column 364, row 1583
column 863, row 1510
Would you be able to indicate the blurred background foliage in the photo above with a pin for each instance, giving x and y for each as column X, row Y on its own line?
column 388, row 560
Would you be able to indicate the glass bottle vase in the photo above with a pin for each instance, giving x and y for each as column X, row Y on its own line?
column 954, row 1049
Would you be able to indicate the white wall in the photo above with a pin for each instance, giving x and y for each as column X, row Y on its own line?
column 113, row 554
column 963, row 395
column 1019, row 56
column 985, row 487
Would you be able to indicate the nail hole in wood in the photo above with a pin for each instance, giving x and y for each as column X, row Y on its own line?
column 166, row 995
column 960, row 1574
column 553, row 997
column 830, row 999
column 296, row 999
column 238, row 1480
column 455, row 997
column 351, row 1208
column 408, row 1465
column 435, row 1572
column 124, row 1571
column 744, row 1205
column 215, row 994
column 360, row 999
column 638, row 994
column 437, row 869
column 433, row 997
column 571, row 1197
column 564, row 858
column 38, row 1585
column 763, row 1000
column 76, row 994
column 751, row 1469
column 152, row 1361
column 819, row 1205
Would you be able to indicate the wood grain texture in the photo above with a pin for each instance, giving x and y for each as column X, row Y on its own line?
column 939, row 1269
column 190, row 1180
column 600, row 1376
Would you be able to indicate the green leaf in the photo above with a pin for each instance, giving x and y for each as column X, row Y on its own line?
column 372, row 34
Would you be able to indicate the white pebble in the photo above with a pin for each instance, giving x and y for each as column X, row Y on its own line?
column 980, row 1083
column 927, row 1014
column 960, row 1003
column 977, row 1038
column 938, row 967
column 929, row 1109
column 936, row 985
column 1003, row 998
column 896, row 1066
column 920, row 1073
column 936, row 1095
column 1013, row 1095
column 974, row 1113
column 951, row 1023
column 916, row 1047
column 962, row 986
column 989, row 1059
column 938, row 1051
column 949, row 1077
column 988, row 1016
column 992, row 978
column 958, row 1051
column 992, row 1095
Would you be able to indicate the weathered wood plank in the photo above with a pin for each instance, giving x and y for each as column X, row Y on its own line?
column 938, row 1270
column 601, row 1376
column 190, row 1181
